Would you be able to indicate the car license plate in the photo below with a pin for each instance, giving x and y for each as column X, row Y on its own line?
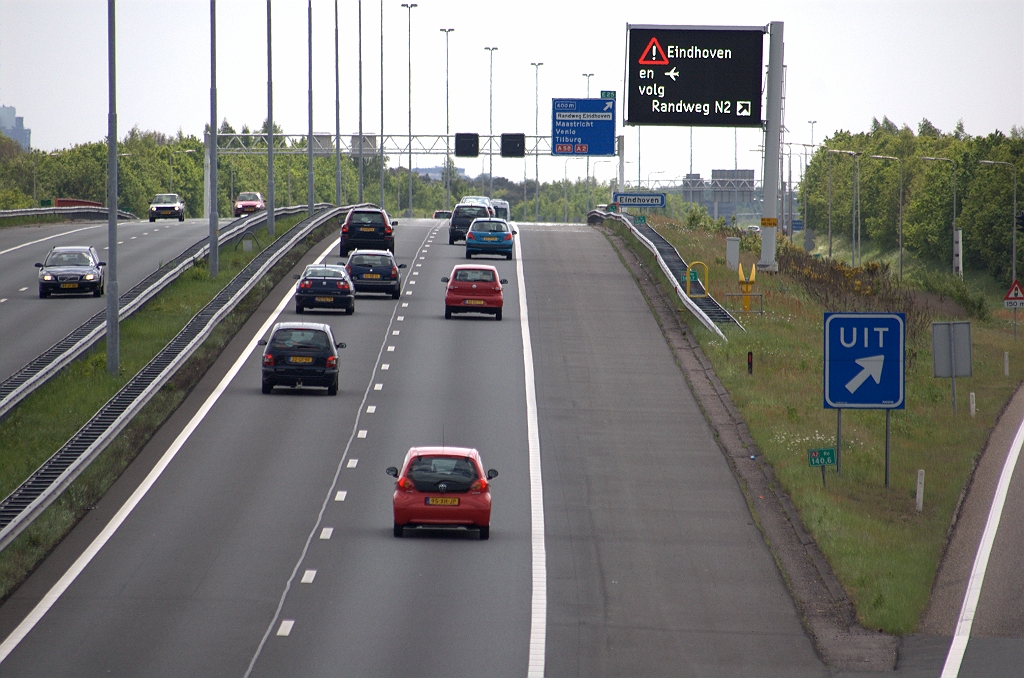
column 367, row 229
column 325, row 299
column 474, row 302
column 302, row 359
column 491, row 239
column 371, row 276
column 442, row 501
column 68, row 286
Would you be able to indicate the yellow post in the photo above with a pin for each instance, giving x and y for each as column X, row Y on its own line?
column 747, row 284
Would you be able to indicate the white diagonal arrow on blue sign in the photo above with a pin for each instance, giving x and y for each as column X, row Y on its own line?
column 871, row 366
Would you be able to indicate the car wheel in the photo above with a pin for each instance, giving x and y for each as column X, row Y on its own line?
column 98, row 292
column 451, row 240
column 350, row 310
column 332, row 390
column 152, row 219
column 509, row 256
column 485, row 532
column 396, row 294
column 399, row 530
column 299, row 308
column 181, row 218
column 447, row 313
column 468, row 255
column 497, row 316
column 267, row 388
column 42, row 294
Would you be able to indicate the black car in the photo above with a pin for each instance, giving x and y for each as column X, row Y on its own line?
column 367, row 227
column 442, row 214
column 74, row 269
column 462, row 216
column 301, row 354
column 324, row 286
column 375, row 271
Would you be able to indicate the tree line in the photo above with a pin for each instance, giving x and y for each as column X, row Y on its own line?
column 984, row 192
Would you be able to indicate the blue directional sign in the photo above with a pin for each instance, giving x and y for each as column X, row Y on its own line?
column 639, row 199
column 864, row 359
column 583, row 127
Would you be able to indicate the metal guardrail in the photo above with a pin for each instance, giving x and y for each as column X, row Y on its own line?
column 48, row 364
column 79, row 212
column 674, row 268
column 34, row 495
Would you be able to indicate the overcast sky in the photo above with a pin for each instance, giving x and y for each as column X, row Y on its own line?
column 847, row 62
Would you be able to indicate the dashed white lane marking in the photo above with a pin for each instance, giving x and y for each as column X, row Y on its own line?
column 412, row 282
column 539, row 599
column 351, row 463
column 22, row 289
column 394, row 333
column 326, row 532
column 50, row 237
column 135, row 237
column 370, row 409
column 3, row 300
column 377, row 387
column 405, row 304
column 145, row 233
column 120, row 242
column 385, row 366
column 415, row 272
column 422, row 258
column 361, row 434
column 409, row 293
column 340, row 496
column 970, row 606
column 418, row 265
column 308, row 576
column 286, row 627
column 391, row 349
column 400, row 318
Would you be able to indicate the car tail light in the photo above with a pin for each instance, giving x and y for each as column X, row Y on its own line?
column 342, row 285
column 394, row 272
column 387, row 230
column 344, row 227
column 348, row 267
column 268, row 360
column 478, row 485
column 469, row 236
column 305, row 284
column 406, row 484
column 332, row 362
column 508, row 236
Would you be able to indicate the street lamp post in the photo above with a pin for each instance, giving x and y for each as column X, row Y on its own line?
column 536, row 131
column 650, row 174
column 1013, row 230
column 447, row 128
column 812, row 123
column 951, row 162
column 588, row 76
column 214, row 256
column 855, row 194
column 900, row 230
column 171, row 163
column 271, row 198
column 565, row 187
column 409, row 7
column 490, row 126
column 380, row 144
column 113, row 328
column 309, row 143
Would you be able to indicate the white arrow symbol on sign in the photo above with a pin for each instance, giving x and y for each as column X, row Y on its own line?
column 871, row 367
column 672, row 74
column 608, row 105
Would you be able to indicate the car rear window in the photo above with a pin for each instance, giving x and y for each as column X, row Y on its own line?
column 489, row 227
column 501, row 212
column 300, row 338
column 373, row 218
column 471, row 211
column 369, row 260
column 323, row 272
column 428, row 472
column 471, row 275
column 68, row 259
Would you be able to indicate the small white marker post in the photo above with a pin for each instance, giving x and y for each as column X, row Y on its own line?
column 920, row 490
column 973, row 410
column 1006, row 363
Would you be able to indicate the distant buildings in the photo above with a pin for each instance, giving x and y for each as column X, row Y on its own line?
column 13, row 126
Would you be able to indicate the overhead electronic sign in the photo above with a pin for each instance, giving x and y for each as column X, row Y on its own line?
column 583, row 127
column 698, row 76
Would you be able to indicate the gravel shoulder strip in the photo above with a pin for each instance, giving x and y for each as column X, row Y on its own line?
column 827, row 612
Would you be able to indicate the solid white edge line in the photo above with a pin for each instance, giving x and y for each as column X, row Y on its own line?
column 62, row 585
column 330, row 492
column 51, row 237
column 539, row 600
column 963, row 626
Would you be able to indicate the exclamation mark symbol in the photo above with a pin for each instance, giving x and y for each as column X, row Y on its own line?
column 654, row 52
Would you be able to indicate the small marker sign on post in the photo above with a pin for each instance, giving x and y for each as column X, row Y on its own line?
column 822, row 457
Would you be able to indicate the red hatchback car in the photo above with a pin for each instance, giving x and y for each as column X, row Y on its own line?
column 248, row 203
column 442, row 487
column 474, row 289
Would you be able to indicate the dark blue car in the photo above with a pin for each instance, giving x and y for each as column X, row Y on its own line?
column 489, row 236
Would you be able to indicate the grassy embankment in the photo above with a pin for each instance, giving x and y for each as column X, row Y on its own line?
column 44, row 421
column 883, row 550
column 28, row 220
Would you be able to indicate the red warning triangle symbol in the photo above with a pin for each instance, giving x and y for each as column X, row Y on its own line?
column 654, row 55
column 1015, row 293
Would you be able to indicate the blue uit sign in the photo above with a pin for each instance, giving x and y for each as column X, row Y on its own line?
column 583, row 127
column 639, row 199
column 864, row 360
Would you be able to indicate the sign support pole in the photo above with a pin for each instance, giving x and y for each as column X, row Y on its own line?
column 839, row 443
column 773, row 130
column 887, row 418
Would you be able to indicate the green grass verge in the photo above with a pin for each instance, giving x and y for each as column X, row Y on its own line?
column 31, row 220
column 53, row 413
column 884, row 551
